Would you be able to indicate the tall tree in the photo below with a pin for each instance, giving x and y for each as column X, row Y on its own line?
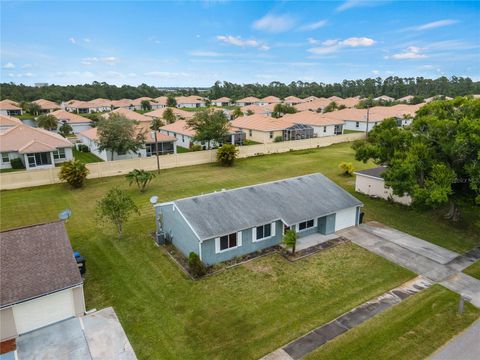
column 118, row 134
column 169, row 115
column 209, row 125
column 436, row 159
column 47, row 122
column 171, row 102
column 155, row 127
column 145, row 105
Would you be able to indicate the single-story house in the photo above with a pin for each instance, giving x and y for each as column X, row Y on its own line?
column 37, row 148
column 270, row 100
column 384, row 98
column 129, row 114
column 310, row 98
column 322, row 125
column 137, row 103
column 249, row 100
column 265, row 129
column 370, row 182
column 223, row 101
column 223, row 225
column 313, row 105
column 179, row 114
column 46, row 106
column 258, row 109
column 166, row 144
column 7, row 122
column 292, row 100
column 190, row 101
column 335, row 98
column 77, row 122
column 437, row 97
column 405, row 99
column 10, row 108
column 348, row 102
column 161, row 101
column 41, row 281
column 123, row 104
column 87, row 107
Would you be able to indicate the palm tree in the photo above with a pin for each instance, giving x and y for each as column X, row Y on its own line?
column 155, row 126
column 47, row 122
column 140, row 177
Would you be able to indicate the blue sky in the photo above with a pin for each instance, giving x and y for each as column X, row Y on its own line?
column 188, row 43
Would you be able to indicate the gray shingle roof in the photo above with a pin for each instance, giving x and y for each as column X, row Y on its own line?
column 291, row 200
column 374, row 172
column 34, row 261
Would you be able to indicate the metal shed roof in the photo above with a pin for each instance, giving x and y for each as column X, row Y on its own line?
column 291, row 200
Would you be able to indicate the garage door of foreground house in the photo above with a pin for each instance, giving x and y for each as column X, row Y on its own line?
column 43, row 311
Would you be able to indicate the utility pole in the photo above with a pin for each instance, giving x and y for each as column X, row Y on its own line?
column 368, row 117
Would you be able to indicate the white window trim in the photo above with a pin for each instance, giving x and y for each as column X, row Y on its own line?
column 217, row 243
column 315, row 224
column 272, row 232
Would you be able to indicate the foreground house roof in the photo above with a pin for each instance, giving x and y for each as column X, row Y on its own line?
column 291, row 200
column 6, row 120
column 36, row 260
column 19, row 136
column 8, row 105
column 261, row 123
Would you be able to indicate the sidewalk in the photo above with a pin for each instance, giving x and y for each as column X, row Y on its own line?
column 465, row 346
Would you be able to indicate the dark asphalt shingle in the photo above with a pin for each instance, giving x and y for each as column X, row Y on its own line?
column 291, row 200
column 375, row 172
column 35, row 260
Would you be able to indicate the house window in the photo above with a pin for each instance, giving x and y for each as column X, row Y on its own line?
column 250, row 133
column 228, row 241
column 264, row 231
column 39, row 159
column 324, row 129
column 5, row 158
column 121, row 152
column 183, row 138
column 59, row 154
column 357, row 124
column 271, row 134
column 306, row 225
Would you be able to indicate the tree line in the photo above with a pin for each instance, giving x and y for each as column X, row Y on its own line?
column 393, row 86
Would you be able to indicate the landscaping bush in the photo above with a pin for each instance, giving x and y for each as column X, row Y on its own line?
column 347, row 168
column 278, row 138
column 226, row 154
column 73, row 172
column 196, row 266
column 83, row 148
column 17, row 163
column 290, row 240
column 196, row 147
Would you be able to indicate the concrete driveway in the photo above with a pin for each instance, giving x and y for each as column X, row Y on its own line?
column 429, row 260
column 95, row 336
column 464, row 346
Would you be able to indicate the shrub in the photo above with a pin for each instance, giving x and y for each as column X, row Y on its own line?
column 226, row 154
column 140, row 177
column 347, row 168
column 278, row 138
column 17, row 163
column 196, row 147
column 73, row 172
column 197, row 268
column 290, row 240
column 83, row 148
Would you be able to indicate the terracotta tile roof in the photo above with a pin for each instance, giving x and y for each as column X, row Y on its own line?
column 376, row 114
column 16, row 103
column 222, row 99
column 261, row 123
column 36, row 146
column 311, row 118
column 36, row 260
column 6, row 120
column 129, row 114
column 384, row 98
column 248, row 99
column 348, row 102
column 293, row 99
column 121, row 103
column 158, row 113
column 313, row 105
column 19, row 136
column 142, row 127
column 138, row 102
column 406, row 98
column 189, row 99
column 162, row 100
column 310, row 98
column 8, row 105
column 271, row 99
column 258, row 109
column 46, row 104
column 63, row 115
column 334, row 98
column 179, row 127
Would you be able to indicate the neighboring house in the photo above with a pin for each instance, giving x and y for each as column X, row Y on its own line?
column 223, row 225
column 123, row 104
column 137, row 103
column 129, row 114
column 166, row 144
column 46, row 106
column 437, row 97
column 322, row 125
column 405, row 99
column 265, row 129
column 370, row 182
column 77, row 122
column 37, row 148
column 314, row 105
column 310, row 98
column 335, row 98
column 7, row 122
column 269, row 100
column 348, row 102
column 190, row 101
column 40, row 280
column 161, row 101
column 88, row 107
column 179, row 114
column 258, row 109
column 292, row 100
column 384, row 98
column 10, row 108
column 249, row 100
column 180, row 130
column 223, row 101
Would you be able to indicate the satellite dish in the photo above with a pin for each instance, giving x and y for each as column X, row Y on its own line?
column 65, row 214
column 153, row 200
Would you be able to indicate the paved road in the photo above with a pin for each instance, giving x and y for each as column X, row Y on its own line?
column 465, row 346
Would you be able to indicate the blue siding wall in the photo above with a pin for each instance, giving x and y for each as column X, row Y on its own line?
column 209, row 256
column 183, row 238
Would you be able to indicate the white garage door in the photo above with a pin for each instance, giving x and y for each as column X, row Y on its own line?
column 44, row 311
column 345, row 218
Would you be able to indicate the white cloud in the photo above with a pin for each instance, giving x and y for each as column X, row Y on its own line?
column 411, row 52
column 436, row 24
column 72, row 40
column 87, row 40
column 375, row 72
column 166, row 74
column 333, row 45
column 109, row 60
column 20, row 75
column 313, row 26
column 238, row 41
column 9, row 65
column 349, row 4
column 76, row 74
column 274, row 23
column 201, row 53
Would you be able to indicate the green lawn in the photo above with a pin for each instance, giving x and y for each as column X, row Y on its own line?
column 85, row 157
column 473, row 270
column 181, row 149
column 351, row 131
column 411, row 330
column 245, row 312
column 10, row 170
